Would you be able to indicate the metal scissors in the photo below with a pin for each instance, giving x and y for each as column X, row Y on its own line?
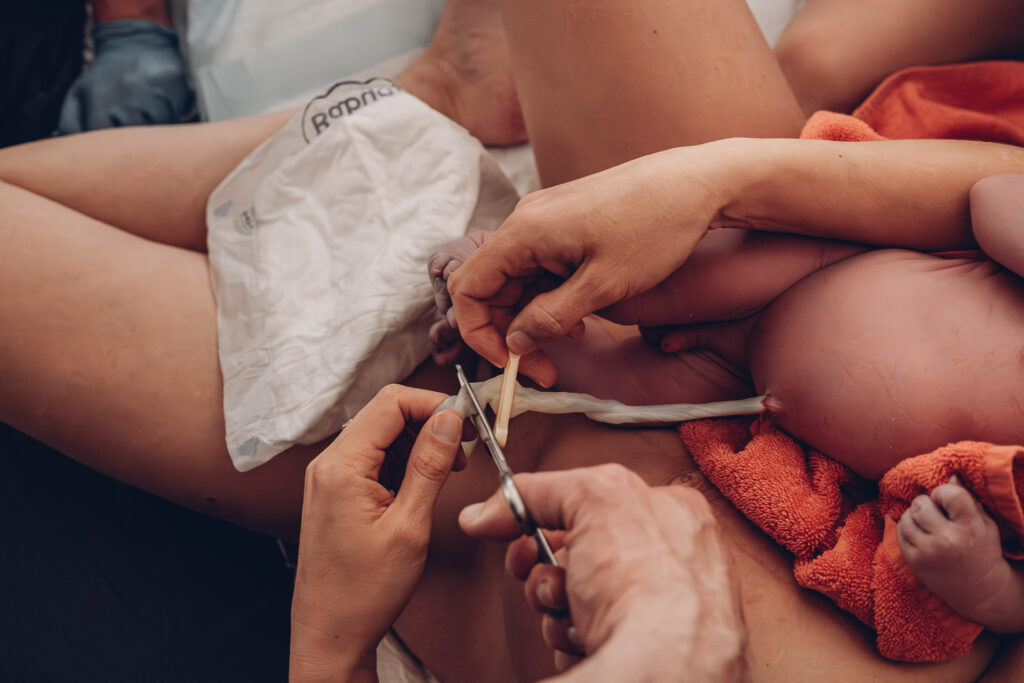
column 507, row 483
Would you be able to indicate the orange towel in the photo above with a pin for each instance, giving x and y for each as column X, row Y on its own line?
column 842, row 529
column 976, row 101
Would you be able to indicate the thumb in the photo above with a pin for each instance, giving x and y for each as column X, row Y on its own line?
column 429, row 464
column 554, row 314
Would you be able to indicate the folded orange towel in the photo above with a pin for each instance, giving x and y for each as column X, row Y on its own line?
column 976, row 101
column 842, row 529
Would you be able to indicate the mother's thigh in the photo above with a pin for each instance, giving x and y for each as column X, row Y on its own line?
column 109, row 353
column 605, row 81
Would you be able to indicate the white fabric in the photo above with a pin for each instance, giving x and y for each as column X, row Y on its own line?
column 248, row 57
column 395, row 664
column 602, row 410
column 318, row 247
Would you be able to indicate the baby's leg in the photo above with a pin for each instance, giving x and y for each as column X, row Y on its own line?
column 732, row 274
column 835, row 52
column 997, row 217
column 953, row 546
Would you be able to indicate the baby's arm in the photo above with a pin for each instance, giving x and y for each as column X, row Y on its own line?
column 953, row 547
column 732, row 274
column 997, row 218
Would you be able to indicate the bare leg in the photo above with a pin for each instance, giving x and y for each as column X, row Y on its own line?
column 835, row 51
column 467, row 73
column 109, row 348
column 109, row 354
column 604, row 81
column 152, row 181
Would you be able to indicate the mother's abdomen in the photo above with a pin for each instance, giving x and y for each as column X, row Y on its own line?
column 892, row 353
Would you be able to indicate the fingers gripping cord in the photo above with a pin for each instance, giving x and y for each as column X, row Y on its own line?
column 600, row 410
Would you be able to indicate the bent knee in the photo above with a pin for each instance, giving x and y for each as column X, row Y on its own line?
column 817, row 65
column 997, row 218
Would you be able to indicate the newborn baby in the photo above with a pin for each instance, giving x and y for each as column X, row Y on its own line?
column 870, row 356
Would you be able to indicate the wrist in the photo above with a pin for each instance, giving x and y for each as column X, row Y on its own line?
column 709, row 641
column 323, row 649
column 308, row 662
column 749, row 172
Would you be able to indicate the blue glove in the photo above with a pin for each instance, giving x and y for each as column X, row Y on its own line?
column 138, row 77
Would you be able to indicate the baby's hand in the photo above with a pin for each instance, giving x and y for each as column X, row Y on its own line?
column 444, row 333
column 953, row 546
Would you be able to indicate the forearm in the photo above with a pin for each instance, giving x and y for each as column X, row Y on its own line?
column 900, row 193
column 114, row 10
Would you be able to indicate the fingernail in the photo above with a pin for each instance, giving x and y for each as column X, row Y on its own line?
column 448, row 427
column 574, row 637
column 520, row 342
column 545, row 596
column 471, row 513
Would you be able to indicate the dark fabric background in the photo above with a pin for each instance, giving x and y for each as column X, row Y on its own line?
column 102, row 582
column 40, row 57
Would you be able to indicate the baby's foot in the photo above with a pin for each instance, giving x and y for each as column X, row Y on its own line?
column 444, row 333
column 466, row 73
column 953, row 546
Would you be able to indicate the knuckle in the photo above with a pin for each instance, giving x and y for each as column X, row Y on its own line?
column 611, row 287
column 548, row 321
column 389, row 393
column 430, row 463
column 612, row 477
column 322, row 474
column 692, row 499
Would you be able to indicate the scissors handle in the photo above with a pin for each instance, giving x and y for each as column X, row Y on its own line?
column 518, row 506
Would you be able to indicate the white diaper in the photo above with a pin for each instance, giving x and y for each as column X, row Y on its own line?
column 318, row 246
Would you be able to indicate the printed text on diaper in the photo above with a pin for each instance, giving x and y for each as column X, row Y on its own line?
column 338, row 102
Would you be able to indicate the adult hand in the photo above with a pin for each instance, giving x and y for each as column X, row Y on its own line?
column 611, row 236
column 138, row 77
column 362, row 548
column 645, row 575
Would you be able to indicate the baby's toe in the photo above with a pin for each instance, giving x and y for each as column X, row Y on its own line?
column 957, row 502
column 911, row 537
column 927, row 515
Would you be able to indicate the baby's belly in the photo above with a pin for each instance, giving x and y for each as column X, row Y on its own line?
column 893, row 353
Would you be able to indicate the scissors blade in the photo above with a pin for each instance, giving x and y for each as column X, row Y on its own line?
column 490, row 443
column 508, row 485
